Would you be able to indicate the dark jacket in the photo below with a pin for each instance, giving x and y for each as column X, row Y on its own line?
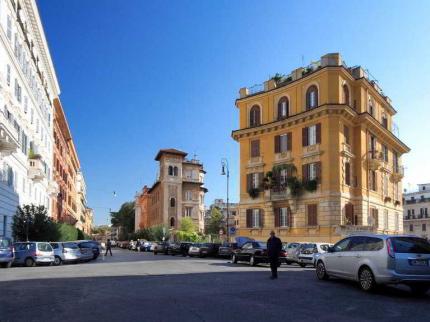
column 274, row 246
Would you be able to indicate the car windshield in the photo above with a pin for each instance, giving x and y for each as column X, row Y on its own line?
column 4, row 243
column 196, row 245
column 44, row 247
column 70, row 245
column 308, row 246
column 413, row 245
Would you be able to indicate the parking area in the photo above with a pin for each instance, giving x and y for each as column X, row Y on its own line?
column 143, row 287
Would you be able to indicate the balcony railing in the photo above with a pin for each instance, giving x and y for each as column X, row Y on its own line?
column 37, row 169
column 375, row 159
column 8, row 139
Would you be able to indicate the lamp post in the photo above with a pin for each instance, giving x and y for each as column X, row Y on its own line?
column 226, row 171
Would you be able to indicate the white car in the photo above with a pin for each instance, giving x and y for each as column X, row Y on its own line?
column 308, row 253
column 379, row 259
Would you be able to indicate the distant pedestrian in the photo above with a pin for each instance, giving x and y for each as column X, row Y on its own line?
column 108, row 247
column 274, row 247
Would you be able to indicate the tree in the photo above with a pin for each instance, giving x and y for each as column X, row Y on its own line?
column 31, row 222
column 216, row 221
column 187, row 230
column 124, row 218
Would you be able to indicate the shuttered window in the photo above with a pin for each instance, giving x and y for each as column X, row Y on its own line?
column 311, row 135
column 348, row 173
column 254, row 218
column 373, row 180
column 346, row 134
column 254, row 116
column 312, row 215
column 311, row 171
column 254, row 180
column 283, row 143
column 283, row 108
column 349, row 214
column 283, row 217
column 255, row 148
column 311, row 97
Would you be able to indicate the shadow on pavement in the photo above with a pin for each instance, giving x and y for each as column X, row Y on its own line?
column 229, row 296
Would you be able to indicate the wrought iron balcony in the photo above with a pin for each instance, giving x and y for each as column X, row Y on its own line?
column 398, row 173
column 375, row 159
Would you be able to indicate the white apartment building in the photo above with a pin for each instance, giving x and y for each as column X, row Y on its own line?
column 28, row 85
column 416, row 207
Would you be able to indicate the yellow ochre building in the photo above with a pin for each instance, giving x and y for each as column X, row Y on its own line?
column 319, row 155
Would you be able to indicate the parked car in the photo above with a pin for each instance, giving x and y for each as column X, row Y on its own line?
column 179, row 248
column 94, row 245
column 7, row 254
column 161, row 248
column 309, row 252
column 33, row 253
column 291, row 253
column 152, row 246
column 209, row 249
column 254, row 252
column 226, row 249
column 145, row 246
column 379, row 259
column 66, row 253
column 194, row 249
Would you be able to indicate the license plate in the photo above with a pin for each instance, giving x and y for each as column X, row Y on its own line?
column 419, row 262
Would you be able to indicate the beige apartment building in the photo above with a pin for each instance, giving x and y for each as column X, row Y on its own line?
column 319, row 155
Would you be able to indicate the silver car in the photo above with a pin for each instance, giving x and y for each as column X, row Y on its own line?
column 309, row 252
column 32, row 253
column 291, row 253
column 7, row 255
column 66, row 253
column 379, row 259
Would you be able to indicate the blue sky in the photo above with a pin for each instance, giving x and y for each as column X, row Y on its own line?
column 137, row 76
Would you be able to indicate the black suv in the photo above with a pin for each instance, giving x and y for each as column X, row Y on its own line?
column 161, row 248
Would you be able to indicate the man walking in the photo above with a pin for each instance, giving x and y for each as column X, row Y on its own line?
column 108, row 247
column 274, row 247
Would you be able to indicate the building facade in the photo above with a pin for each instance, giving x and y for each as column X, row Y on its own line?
column 178, row 193
column 221, row 205
column 28, row 86
column 416, row 219
column 319, row 158
column 30, row 114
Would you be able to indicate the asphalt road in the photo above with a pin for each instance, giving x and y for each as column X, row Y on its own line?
column 142, row 287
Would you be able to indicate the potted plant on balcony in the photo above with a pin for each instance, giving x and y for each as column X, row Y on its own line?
column 397, row 203
column 295, row 186
column 253, row 192
column 33, row 156
column 387, row 199
column 278, row 78
column 311, row 185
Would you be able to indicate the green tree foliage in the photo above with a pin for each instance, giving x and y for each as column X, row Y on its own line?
column 216, row 222
column 32, row 222
column 152, row 233
column 67, row 232
column 187, row 231
column 124, row 217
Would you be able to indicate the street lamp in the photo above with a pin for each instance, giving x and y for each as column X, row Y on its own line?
column 226, row 171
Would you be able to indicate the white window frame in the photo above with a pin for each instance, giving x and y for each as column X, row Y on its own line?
column 283, row 217
column 188, row 211
column 312, row 135
column 256, row 218
column 255, row 182
column 284, row 109
column 188, row 195
column 283, row 143
column 312, row 171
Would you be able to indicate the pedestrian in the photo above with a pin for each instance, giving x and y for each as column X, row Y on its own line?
column 108, row 247
column 274, row 247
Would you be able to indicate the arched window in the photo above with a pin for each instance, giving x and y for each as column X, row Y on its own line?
column 345, row 91
column 172, row 222
column 254, row 116
column 311, row 97
column 172, row 202
column 349, row 214
column 175, row 171
column 283, row 108
column 170, row 170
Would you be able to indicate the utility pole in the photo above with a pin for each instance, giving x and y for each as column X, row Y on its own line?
column 226, row 171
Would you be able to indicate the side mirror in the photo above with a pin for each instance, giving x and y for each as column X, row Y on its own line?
column 331, row 250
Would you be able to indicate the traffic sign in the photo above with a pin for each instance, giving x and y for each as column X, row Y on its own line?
column 232, row 230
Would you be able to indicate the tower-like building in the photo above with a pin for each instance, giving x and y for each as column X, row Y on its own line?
column 177, row 193
column 319, row 155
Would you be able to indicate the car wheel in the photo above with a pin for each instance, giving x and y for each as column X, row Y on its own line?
column 419, row 289
column 302, row 265
column 321, row 271
column 57, row 261
column 288, row 263
column 29, row 262
column 366, row 279
column 252, row 261
column 234, row 259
